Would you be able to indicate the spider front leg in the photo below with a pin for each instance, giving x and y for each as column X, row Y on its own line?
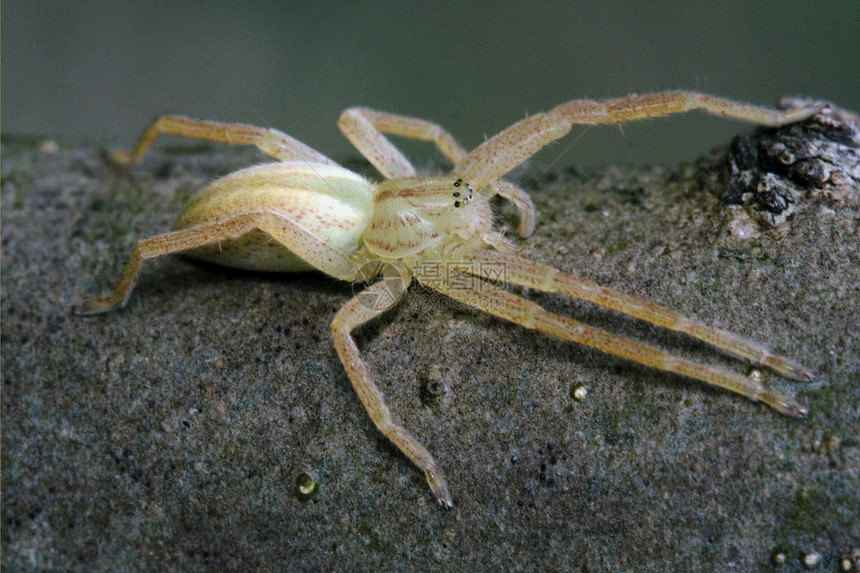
column 270, row 141
column 285, row 231
column 504, row 304
column 353, row 314
column 501, row 153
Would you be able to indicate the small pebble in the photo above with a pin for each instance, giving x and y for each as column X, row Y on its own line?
column 811, row 559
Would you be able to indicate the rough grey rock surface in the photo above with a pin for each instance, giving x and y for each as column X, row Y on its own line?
column 170, row 435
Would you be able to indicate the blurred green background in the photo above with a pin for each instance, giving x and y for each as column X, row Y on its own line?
column 102, row 70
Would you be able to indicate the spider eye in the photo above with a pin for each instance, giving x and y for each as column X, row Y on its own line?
column 462, row 200
column 459, row 183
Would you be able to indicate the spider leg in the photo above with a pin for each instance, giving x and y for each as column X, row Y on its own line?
column 501, row 153
column 353, row 314
column 523, row 272
column 501, row 303
column 365, row 127
column 270, row 141
column 286, row 231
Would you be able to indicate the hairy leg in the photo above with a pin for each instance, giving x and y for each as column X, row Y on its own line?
column 365, row 127
column 504, row 304
column 293, row 236
column 523, row 272
column 501, row 153
column 353, row 314
column 271, row 141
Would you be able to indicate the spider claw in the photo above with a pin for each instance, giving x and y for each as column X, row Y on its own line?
column 800, row 373
column 439, row 488
column 785, row 405
column 788, row 368
column 798, row 411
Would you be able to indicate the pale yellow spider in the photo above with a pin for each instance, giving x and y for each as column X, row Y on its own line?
column 306, row 212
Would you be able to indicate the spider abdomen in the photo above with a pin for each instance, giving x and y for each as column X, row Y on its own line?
column 331, row 202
